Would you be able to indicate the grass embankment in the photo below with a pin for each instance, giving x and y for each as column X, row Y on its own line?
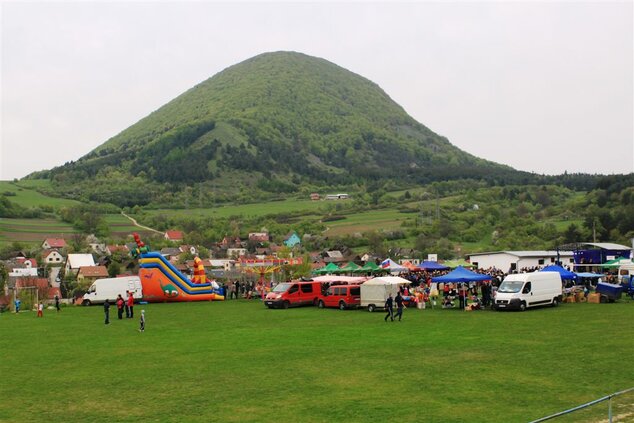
column 237, row 361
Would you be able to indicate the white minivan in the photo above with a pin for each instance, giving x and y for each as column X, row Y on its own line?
column 523, row 290
column 109, row 288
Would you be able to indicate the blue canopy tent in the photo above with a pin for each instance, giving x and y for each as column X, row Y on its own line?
column 565, row 274
column 461, row 275
column 432, row 265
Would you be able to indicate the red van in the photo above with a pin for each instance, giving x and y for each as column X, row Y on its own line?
column 342, row 296
column 292, row 294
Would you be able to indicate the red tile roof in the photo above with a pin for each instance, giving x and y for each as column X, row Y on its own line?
column 56, row 242
column 93, row 271
column 31, row 281
column 206, row 263
column 174, row 235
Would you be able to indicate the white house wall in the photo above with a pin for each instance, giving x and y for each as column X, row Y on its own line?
column 501, row 261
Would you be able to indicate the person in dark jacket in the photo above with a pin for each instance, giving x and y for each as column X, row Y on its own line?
column 389, row 307
column 399, row 306
column 106, row 310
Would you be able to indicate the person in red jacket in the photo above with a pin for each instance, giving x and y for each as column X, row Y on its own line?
column 120, row 304
column 131, row 305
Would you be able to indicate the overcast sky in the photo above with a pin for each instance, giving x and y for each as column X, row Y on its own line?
column 542, row 86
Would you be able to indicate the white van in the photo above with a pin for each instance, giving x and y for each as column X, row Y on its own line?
column 108, row 289
column 626, row 271
column 374, row 292
column 523, row 290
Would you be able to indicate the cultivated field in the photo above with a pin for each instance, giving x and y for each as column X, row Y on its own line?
column 237, row 361
column 33, row 231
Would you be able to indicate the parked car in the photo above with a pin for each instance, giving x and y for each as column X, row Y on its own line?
column 341, row 296
column 293, row 294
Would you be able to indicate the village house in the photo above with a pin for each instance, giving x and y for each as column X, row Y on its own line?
column 111, row 249
column 292, row 239
column 27, row 263
column 50, row 243
column 333, row 256
column 92, row 273
column 259, row 237
column 95, row 244
column 174, row 236
column 236, row 252
column 314, row 196
column 76, row 261
column 171, row 253
column 52, row 257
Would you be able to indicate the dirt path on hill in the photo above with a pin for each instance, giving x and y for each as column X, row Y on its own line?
column 135, row 223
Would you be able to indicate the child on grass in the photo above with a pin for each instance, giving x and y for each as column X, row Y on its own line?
column 142, row 321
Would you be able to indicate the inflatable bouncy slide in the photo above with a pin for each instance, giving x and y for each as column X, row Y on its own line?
column 162, row 282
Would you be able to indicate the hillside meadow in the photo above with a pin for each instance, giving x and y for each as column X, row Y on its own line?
column 237, row 361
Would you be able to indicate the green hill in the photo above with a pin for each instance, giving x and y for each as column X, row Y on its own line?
column 276, row 123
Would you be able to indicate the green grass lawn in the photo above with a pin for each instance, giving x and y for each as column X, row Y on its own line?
column 237, row 361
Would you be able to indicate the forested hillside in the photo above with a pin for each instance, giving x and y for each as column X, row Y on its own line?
column 278, row 123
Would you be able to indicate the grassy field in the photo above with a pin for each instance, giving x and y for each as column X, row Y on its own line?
column 249, row 210
column 237, row 361
column 27, row 196
column 386, row 219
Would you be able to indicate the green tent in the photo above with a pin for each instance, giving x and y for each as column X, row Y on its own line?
column 370, row 267
column 616, row 262
column 350, row 268
column 452, row 264
column 329, row 268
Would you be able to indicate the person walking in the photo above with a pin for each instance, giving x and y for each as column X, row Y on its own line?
column 131, row 304
column 17, row 303
column 389, row 307
column 399, row 306
column 142, row 321
column 57, row 302
column 106, row 311
column 120, row 305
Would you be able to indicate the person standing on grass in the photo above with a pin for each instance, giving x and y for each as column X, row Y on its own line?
column 131, row 304
column 142, row 321
column 389, row 306
column 17, row 304
column 40, row 310
column 106, row 310
column 399, row 306
column 57, row 302
column 120, row 304
column 127, row 309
